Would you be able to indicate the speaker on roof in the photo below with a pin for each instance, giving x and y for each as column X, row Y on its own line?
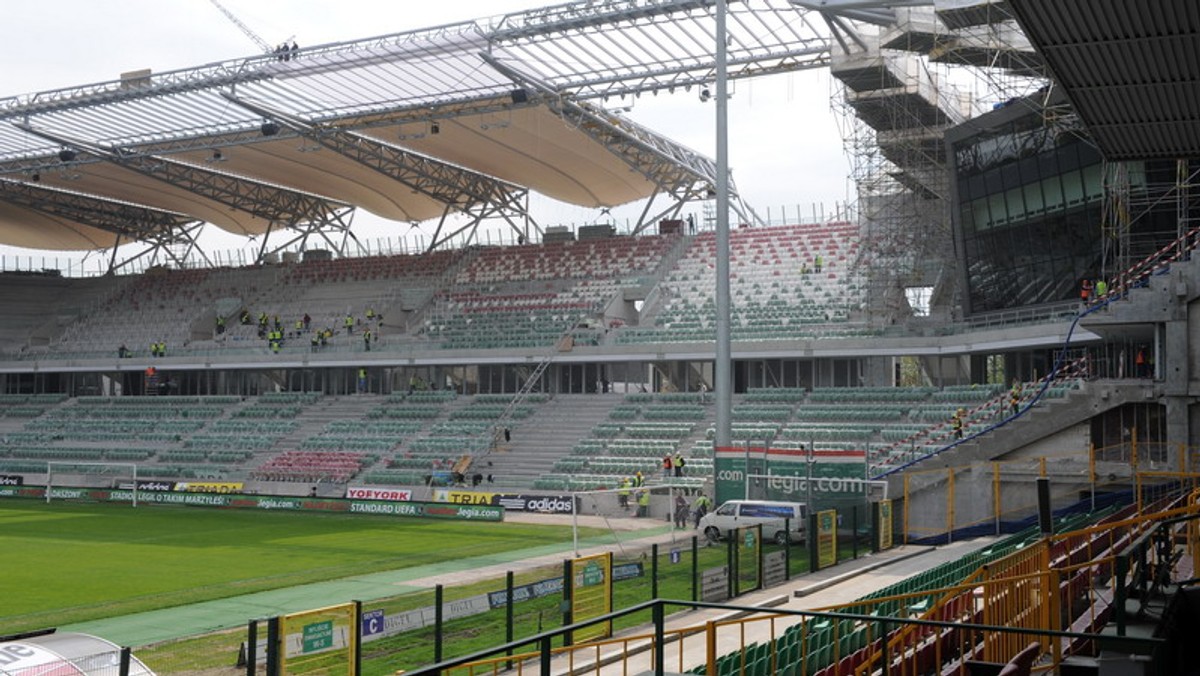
column 270, row 128
column 66, row 154
column 519, row 96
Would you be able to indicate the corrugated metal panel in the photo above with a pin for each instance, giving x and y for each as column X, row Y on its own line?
column 1130, row 68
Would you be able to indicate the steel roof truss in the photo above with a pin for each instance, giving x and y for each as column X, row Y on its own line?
column 132, row 221
column 456, row 187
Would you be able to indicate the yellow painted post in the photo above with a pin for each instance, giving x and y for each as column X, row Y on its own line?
column 1194, row 544
column 1055, row 615
column 710, row 648
column 1042, row 466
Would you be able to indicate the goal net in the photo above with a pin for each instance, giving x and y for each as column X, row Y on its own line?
column 66, row 479
column 618, row 510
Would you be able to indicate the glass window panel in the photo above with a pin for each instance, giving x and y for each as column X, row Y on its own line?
column 1068, row 157
column 1088, row 154
column 1137, row 174
column 1033, row 198
column 1016, row 205
column 1093, row 182
column 976, row 187
column 983, row 220
column 1073, row 187
column 1052, row 191
column 1048, row 164
column 1010, row 176
column 1028, row 169
column 966, row 217
column 999, row 211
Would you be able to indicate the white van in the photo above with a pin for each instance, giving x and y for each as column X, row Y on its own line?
column 772, row 516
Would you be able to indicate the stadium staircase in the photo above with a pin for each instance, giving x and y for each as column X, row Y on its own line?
column 1146, row 302
column 315, row 417
column 1050, row 416
column 537, row 443
column 655, row 300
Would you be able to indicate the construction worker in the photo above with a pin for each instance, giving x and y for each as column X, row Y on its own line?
column 700, row 507
column 643, row 501
column 1014, row 396
column 623, row 493
column 956, row 423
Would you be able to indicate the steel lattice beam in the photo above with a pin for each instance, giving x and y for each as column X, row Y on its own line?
column 458, row 188
column 130, row 221
column 271, row 203
column 674, row 169
column 581, row 52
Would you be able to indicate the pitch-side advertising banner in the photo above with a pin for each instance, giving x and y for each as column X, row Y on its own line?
column 431, row 510
column 386, row 494
column 513, row 502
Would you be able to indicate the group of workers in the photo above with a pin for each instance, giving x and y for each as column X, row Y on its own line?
column 270, row 328
column 673, row 464
column 635, row 487
column 1091, row 292
column 958, row 421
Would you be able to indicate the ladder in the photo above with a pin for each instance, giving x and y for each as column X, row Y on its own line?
column 528, row 386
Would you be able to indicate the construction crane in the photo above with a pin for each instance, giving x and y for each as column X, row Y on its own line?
column 262, row 44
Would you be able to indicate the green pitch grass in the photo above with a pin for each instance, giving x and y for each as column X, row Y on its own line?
column 71, row 562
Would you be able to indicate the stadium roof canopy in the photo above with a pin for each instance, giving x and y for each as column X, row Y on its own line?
column 462, row 119
column 1130, row 68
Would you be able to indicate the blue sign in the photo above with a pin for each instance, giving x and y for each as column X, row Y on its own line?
column 372, row 622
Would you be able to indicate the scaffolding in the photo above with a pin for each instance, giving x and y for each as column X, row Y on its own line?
column 905, row 77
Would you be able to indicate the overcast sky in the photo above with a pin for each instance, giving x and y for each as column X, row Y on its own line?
column 785, row 142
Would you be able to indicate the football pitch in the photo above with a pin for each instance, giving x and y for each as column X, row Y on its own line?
column 72, row 562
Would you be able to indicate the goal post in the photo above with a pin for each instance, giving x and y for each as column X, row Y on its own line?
column 110, row 475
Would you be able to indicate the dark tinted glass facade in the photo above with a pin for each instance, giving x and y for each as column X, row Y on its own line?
column 1029, row 191
column 1027, row 210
